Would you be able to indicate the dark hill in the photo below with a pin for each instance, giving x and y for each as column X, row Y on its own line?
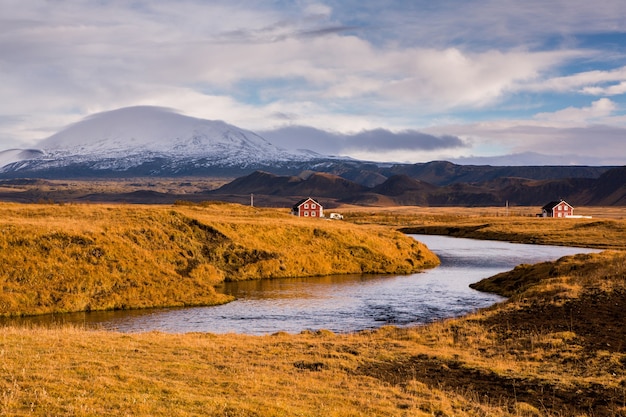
column 527, row 192
column 610, row 188
column 328, row 185
column 260, row 182
column 316, row 184
column 365, row 177
column 465, row 195
column 402, row 184
column 402, row 189
column 445, row 173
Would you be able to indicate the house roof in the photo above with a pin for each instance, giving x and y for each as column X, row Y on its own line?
column 304, row 200
column 553, row 204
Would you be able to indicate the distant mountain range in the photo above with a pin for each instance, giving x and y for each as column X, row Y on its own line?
column 400, row 189
column 149, row 141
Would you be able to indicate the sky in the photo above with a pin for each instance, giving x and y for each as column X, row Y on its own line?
column 504, row 82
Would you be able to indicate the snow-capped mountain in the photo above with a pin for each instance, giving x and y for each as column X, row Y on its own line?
column 15, row 155
column 147, row 140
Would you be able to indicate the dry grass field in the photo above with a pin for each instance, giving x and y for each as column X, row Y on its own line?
column 63, row 258
column 555, row 348
column 606, row 229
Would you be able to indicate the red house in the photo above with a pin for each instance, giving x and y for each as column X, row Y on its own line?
column 557, row 209
column 307, row 208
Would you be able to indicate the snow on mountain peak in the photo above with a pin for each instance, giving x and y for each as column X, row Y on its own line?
column 150, row 129
column 10, row 156
column 149, row 140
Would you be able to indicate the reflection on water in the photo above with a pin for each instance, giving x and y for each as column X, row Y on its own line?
column 339, row 303
column 90, row 319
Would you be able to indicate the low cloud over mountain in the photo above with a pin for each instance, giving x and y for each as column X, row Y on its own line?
column 146, row 140
column 376, row 140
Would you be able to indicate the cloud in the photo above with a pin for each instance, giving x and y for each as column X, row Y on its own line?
column 598, row 110
column 98, row 51
column 318, row 10
column 369, row 141
column 485, row 24
column 532, row 158
column 342, row 66
column 595, row 82
column 593, row 144
column 591, row 135
column 611, row 90
column 382, row 139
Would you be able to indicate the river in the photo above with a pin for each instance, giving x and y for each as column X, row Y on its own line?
column 340, row 303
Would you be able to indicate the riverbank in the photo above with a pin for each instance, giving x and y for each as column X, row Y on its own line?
column 361, row 301
column 68, row 258
column 555, row 348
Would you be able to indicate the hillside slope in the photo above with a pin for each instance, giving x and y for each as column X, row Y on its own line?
column 95, row 257
column 610, row 188
column 445, row 173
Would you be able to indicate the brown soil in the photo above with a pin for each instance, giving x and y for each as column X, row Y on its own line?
column 597, row 318
column 492, row 389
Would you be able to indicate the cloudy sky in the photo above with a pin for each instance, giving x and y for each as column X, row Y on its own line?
column 510, row 81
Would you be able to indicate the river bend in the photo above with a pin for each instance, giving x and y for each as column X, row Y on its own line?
column 341, row 303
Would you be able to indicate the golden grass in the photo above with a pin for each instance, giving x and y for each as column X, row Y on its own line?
column 62, row 258
column 571, row 274
column 553, row 349
column 72, row 372
column 480, row 365
column 606, row 229
column 597, row 212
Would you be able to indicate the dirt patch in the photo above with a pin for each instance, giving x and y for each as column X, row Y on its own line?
column 497, row 390
column 597, row 318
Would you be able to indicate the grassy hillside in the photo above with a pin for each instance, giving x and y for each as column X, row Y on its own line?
column 555, row 349
column 62, row 258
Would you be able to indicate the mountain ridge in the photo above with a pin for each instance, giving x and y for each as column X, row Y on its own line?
column 609, row 189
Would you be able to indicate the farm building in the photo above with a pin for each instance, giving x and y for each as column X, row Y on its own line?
column 557, row 209
column 307, row 207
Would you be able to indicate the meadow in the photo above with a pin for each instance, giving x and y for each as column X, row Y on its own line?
column 601, row 227
column 554, row 348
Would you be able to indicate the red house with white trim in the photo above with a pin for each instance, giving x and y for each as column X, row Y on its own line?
column 557, row 209
column 307, row 207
